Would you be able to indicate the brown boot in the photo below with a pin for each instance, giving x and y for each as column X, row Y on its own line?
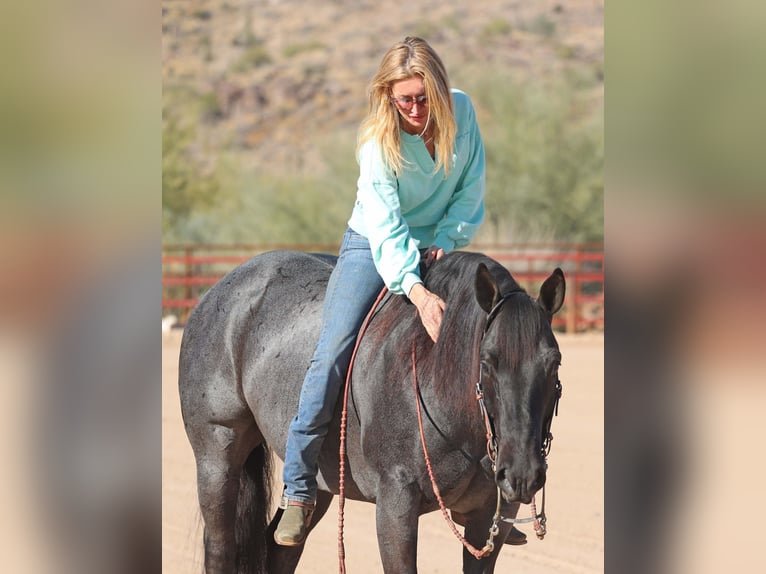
column 457, row 517
column 293, row 526
column 516, row 537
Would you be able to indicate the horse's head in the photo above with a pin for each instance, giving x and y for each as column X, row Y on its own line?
column 519, row 374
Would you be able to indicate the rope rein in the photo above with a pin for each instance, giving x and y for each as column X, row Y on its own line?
column 494, row 529
column 478, row 554
column 343, row 419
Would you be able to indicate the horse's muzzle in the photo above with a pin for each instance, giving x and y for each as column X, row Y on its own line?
column 520, row 484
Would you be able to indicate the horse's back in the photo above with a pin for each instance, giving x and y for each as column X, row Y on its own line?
column 279, row 276
column 251, row 330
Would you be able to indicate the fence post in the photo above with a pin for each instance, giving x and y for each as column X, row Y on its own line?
column 574, row 293
column 188, row 252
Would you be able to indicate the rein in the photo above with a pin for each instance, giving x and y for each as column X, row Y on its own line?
column 343, row 419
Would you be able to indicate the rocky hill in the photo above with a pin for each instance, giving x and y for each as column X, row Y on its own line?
column 290, row 73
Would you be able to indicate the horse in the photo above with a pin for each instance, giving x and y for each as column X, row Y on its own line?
column 244, row 353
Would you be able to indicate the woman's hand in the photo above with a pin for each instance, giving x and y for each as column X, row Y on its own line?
column 433, row 254
column 430, row 308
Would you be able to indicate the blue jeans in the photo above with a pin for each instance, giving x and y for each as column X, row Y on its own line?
column 353, row 287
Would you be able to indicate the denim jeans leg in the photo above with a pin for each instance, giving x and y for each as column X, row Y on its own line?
column 353, row 286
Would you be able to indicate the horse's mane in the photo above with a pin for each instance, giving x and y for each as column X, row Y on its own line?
column 453, row 278
column 456, row 272
column 454, row 359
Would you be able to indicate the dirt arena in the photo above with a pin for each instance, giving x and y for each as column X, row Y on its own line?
column 574, row 506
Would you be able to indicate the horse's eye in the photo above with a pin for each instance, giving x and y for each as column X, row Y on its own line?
column 488, row 364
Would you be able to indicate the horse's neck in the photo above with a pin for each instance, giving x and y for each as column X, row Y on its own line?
column 454, row 373
column 466, row 354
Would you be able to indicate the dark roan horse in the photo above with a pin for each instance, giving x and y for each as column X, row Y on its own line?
column 246, row 349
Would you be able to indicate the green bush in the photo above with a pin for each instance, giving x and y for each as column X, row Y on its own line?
column 294, row 49
column 188, row 185
column 427, row 29
column 253, row 57
column 276, row 204
column 541, row 25
column 203, row 15
column 210, row 107
column 451, row 22
column 496, row 27
column 246, row 37
column 545, row 159
column 566, row 52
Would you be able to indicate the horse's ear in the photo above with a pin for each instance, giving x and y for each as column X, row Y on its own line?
column 487, row 291
column 552, row 291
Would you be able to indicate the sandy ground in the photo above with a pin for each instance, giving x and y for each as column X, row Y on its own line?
column 575, row 501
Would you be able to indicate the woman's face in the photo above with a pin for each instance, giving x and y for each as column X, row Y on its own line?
column 405, row 94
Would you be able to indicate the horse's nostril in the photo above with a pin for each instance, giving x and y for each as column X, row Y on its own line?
column 539, row 481
column 506, row 480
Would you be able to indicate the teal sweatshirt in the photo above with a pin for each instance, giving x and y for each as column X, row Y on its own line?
column 419, row 208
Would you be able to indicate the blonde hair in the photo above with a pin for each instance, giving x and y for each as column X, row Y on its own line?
column 407, row 59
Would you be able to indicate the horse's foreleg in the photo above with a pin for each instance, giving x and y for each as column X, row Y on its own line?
column 477, row 532
column 396, row 515
column 284, row 559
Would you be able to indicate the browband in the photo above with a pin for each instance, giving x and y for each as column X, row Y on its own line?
column 496, row 309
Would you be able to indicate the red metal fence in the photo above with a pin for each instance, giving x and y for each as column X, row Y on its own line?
column 189, row 270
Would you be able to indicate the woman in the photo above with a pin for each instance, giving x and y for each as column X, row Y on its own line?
column 420, row 192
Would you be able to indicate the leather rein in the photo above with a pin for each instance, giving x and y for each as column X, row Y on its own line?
column 538, row 519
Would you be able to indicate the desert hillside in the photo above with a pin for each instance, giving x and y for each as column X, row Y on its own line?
column 290, row 72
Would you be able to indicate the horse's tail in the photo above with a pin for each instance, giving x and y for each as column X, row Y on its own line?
column 253, row 510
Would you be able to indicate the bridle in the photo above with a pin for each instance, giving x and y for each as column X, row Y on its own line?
column 491, row 441
column 494, row 529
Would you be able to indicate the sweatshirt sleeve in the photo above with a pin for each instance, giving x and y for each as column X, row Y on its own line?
column 394, row 251
column 465, row 210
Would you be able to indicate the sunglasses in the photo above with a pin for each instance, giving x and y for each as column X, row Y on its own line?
column 406, row 102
